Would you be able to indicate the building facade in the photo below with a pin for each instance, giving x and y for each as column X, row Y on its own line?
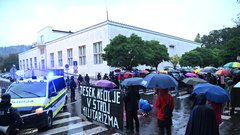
column 81, row 51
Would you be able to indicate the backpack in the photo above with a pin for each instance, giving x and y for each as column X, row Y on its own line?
column 168, row 111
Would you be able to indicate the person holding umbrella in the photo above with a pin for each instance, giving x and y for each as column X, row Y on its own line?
column 164, row 99
column 131, row 99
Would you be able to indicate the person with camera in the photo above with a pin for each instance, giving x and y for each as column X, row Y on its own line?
column 9, row 116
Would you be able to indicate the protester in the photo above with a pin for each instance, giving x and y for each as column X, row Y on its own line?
column 80, row 79
column 68, row 82
column 87, row 79
column 9, row 115
column 99, row 77
column 73, row 86
column 202, row 118
column 164, row 123
column 131, row 99
column 105, row 77
column 217, row 107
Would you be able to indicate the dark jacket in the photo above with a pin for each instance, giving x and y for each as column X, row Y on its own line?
column 87, row 79
column 131, row 99
column 9, row 116
column 73, row 84
column 80, row 79
column 202, row 119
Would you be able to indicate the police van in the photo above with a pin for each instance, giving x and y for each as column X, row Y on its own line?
column 38, row 100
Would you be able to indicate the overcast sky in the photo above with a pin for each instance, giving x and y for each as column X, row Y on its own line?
column 21, row 19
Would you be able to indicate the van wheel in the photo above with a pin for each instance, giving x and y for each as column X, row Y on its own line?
column 49, row 122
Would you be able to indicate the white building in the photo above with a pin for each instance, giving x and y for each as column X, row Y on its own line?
column 54, row 49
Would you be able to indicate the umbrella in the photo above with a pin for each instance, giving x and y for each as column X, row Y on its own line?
column 209, row 69
column 223, row 72
column 144, row 71
column 117, row 70
column 197, row 70
column 163, row 71
column 128, row 74
column 232, row 65
column 155, row 80
column 105, row 84
column 193, row 81
column 213, row 93
column 191, row 75
column 132, row 81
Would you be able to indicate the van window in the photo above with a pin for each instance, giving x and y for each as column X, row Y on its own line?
column 27, row 90
column 59, row 84
column 51, row 88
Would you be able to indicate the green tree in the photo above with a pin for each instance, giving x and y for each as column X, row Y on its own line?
column 175, row 60
column 200, row 57
column 129, row 52
column 198, row 38
column 191, row 58
column 154, row 53
column 124, row 52
column 9, row 61
column 231, row 50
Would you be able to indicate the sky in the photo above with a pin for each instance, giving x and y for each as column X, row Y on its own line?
column 20, row 20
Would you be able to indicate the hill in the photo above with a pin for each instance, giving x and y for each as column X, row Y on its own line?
column 5, row 51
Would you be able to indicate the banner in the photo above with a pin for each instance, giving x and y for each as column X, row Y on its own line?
column 103, row 106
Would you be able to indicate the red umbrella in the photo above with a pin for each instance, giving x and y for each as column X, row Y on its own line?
column 128, row 75
column 144, row 71
column 223, row 72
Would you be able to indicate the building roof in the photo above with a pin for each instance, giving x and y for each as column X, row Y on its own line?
column 117, row 24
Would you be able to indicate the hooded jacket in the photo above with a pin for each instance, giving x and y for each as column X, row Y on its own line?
column 202, row 118
column 162, row 99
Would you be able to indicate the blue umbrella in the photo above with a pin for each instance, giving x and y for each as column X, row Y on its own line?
column 155, row 80
column 132, row 81
column 213, row 93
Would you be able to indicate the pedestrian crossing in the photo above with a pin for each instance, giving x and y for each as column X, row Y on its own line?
column 66, row 124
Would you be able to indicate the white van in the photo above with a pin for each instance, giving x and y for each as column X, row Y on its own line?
column 38, row 100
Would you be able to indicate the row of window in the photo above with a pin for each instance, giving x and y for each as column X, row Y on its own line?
column 97, row 52
column 27, row 66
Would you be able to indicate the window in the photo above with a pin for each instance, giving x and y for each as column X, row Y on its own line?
column 28, row 90
column 52, row 59
column 43, row 64
column 42, row 51
column 60, row 62
column 27, row 63
column 31, row 65
column 35, row 62
column 172, row 46
column 97, row 52
column 51, row 89
column 82, row 55
column 59, row 84
column 69, row 57
column 42, row 38
column 20, row 64
column 23, row 64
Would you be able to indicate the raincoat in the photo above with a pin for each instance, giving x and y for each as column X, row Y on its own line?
column 202, row 118
column 162, row 99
